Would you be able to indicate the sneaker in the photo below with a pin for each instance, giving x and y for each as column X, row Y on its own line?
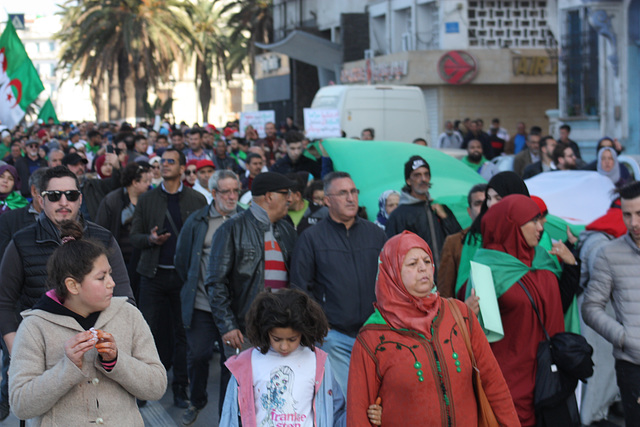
column 190, row 415
column 180, row 397
column 4, row 410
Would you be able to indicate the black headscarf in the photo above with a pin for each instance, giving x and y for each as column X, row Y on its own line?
column 504, row 183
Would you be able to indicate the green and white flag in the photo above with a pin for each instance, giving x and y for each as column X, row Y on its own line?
column 20, row 84
column 48, row 112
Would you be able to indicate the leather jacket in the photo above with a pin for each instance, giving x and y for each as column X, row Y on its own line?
column 236, row 267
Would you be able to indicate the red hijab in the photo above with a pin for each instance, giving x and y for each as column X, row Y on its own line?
column 399, row 308
column 501, row 227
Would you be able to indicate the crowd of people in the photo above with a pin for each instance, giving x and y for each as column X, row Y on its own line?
column 129, row 252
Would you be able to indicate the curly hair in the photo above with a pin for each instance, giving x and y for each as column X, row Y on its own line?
column 287, row 308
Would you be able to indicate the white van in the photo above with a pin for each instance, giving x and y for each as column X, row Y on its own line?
column 396, row 113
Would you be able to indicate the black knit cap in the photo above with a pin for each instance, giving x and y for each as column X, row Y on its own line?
column 414, row 163
column 270, row 181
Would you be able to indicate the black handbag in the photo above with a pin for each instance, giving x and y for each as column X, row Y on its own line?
column 562, row 359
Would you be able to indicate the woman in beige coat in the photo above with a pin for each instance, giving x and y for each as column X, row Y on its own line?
column 80, row 356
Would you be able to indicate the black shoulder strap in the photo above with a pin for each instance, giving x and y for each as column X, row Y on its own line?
column 535, row 308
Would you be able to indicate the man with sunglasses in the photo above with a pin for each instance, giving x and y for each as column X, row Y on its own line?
column 157, row 221
column 24, row 265
column 336, row 262
column 192, row 261
column 250, row 252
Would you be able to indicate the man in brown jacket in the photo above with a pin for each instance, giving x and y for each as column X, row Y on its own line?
column 452, row 249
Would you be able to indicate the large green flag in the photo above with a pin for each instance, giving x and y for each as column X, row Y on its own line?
column 48, row 112
column 377, row 166
column 20, row 84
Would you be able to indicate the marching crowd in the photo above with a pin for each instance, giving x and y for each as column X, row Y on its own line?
column 129, row 252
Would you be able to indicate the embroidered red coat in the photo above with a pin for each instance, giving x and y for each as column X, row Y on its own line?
column 389, row 363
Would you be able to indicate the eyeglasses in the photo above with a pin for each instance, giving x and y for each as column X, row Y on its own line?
column 155, row 167
column 170, row 161
column 56, row 195
column 285, row 192
column 225, row 192
column 189, row 172
column 344, row 193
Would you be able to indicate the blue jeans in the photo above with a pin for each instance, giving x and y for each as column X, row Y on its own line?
column 338, row 346
column 200, row 339
column 157, row 296
column 628, row 376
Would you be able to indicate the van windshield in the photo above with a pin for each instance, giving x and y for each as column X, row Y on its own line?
column 325, row 102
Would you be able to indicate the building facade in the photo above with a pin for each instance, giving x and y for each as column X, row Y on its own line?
column 598, row 84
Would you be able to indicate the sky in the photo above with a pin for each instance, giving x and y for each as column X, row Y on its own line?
column 29, row 7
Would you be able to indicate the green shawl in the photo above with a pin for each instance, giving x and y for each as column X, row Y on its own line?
column 14, row 201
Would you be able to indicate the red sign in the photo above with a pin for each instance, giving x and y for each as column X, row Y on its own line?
column 457, row 67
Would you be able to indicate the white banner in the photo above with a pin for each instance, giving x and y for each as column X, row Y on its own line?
column 257, row 119
column 320, row 124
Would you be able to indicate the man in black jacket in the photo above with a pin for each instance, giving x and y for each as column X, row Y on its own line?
column 295, row 161
column 432, row 222
column 237, row 268
column 336, row 262
column 157, row 221
column 24, row 264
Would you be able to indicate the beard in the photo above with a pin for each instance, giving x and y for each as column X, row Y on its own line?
column 475, row 157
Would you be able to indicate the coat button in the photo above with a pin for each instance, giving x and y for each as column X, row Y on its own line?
column 95, row 381
column 99, row 421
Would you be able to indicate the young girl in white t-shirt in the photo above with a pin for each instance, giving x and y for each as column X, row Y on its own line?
column 284, row 381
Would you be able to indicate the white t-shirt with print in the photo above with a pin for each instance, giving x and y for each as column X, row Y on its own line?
column 283, row 387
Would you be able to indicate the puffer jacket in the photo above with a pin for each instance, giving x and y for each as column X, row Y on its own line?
column 236, row 266
column 615, row 275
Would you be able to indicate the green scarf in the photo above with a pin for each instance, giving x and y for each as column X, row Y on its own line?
column 507, row 269
column 471, row 244
column 14, row 201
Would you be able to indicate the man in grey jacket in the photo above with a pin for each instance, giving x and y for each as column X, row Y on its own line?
column 615, row 276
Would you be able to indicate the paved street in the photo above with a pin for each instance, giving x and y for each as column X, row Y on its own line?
column 163, row 414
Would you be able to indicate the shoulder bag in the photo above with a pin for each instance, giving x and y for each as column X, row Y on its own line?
column 486, row 417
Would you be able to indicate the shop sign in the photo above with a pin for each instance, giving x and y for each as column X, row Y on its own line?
column 457, row 67
column 375, row 72
column 534, row 66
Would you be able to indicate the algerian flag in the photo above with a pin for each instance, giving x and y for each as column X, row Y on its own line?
column 20, row 84
column 48, row 112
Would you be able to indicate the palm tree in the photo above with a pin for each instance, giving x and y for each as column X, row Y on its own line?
column 253, row 21
column 135, row 42
column 217, row 52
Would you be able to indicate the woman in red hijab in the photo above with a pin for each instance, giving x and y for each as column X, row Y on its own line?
column 411, row 353
column 510, row 234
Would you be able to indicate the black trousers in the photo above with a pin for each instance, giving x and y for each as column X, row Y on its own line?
column 160, row 305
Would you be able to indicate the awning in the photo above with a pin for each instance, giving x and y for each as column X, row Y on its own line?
column 308, row 48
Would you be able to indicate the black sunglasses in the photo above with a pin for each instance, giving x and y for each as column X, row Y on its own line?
column 56, row 195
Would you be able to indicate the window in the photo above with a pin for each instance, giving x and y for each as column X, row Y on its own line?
column 579, row 66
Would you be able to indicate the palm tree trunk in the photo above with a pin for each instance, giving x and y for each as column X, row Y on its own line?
column 114, row 94
column 204, row 90
column 130, row 99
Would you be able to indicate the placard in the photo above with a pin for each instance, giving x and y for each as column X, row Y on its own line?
column 319, row 123
column 489, row 317
column 257, row 119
